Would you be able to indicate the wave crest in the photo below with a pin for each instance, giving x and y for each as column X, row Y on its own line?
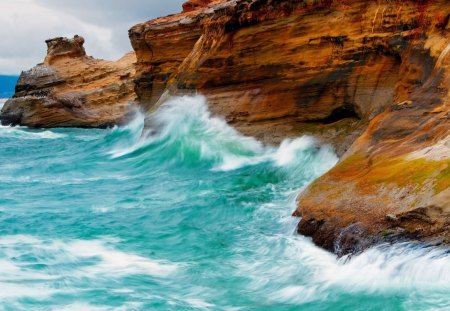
column 183, row 131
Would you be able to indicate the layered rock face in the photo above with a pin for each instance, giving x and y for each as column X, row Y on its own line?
column 336, row 69
column 71, row 89
column 279, row 68
column 394, row 183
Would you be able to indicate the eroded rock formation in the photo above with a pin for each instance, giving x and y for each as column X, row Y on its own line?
column 279, row 68
column 336, row 69
column 370, row 77
column 71, row 89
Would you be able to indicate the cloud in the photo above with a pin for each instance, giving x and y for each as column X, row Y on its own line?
column 26, row 24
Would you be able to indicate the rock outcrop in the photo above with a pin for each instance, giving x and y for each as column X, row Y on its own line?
column 71, row 89
column 370, row 77
column 279, row 68
column 341, row 70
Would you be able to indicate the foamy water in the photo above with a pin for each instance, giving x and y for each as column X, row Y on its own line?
column 185, row 215
column 2, row 102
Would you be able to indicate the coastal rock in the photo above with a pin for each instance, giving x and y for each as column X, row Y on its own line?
column 394, row 182
column 270, row 70
column 71, row 89
column 369, row 77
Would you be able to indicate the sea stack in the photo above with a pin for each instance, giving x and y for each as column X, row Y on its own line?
column 71, row 89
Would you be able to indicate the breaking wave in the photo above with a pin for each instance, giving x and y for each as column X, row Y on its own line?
column 179, row 211
column 184, row 131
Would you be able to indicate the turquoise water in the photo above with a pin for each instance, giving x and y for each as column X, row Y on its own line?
column 189, row 216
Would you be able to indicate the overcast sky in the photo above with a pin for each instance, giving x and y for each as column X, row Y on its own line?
column 26, row 24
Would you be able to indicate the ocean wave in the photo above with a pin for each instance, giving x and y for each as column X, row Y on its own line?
column 61, row 259
column 289, row 269
column 183, row 130
column 302, row 273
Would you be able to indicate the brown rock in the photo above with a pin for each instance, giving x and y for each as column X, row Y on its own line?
column 193, row 5
column 332, row 79
column 63, row 47
column 334, row 69
column 71, row 89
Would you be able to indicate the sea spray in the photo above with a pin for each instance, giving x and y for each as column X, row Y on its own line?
column 187, row 214
column 184, row 130
column 2, row 102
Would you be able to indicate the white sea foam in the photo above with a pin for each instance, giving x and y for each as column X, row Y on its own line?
column 394, row 268
column 2, row 102
column 81, row 306
column 199, row 303
column 383, row 269
column 291, row 269
column 186, row 125
column 19, row 277
column 25, row 133
column 285, row 154
column 134, row 129
column 116, row 262
column 14, row 291
column 304, row 273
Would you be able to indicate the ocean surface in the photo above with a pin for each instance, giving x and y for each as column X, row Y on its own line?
column 7, row 84
column 188, row 215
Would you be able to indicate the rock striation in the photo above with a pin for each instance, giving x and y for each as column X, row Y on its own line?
column 71, row 89
column 193, row 5
column 278, row 68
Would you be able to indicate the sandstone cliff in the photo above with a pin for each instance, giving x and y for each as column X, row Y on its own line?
column 71, row 89
column 336, row 69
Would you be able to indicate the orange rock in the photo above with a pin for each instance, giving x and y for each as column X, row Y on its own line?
column 71, row 89
column 283, row 68
column 193, row 5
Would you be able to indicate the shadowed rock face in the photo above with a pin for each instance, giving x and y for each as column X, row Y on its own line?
column 71, row 89
column 369, row 77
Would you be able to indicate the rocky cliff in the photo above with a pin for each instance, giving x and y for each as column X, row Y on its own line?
column 71, row 89
column 341, row 70
column 370, row 77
